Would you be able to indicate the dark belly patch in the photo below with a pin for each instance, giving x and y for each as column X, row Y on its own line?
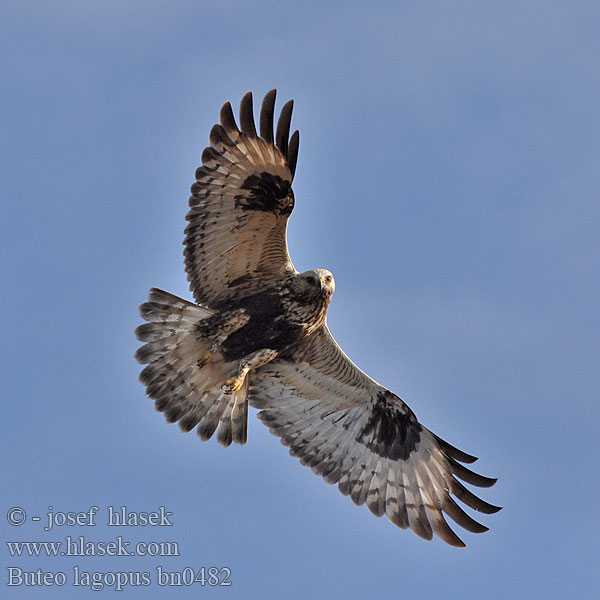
column 260, row 333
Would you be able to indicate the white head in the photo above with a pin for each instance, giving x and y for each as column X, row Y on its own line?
column 319, row 279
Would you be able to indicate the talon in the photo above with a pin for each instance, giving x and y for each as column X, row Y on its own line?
column 204, row 359
column 232, row 385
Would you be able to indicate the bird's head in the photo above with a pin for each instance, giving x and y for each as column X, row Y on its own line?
column 319, row 281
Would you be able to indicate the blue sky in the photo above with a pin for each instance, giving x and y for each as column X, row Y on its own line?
column 448, row 176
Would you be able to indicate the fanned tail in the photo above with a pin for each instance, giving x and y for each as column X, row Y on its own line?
column 181, row 375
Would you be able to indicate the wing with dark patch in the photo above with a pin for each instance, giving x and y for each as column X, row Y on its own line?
column 354, row 432
column 235, row 242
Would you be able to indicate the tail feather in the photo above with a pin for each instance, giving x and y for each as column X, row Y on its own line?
column 239, row 415
column 163, row 307
column 210, row 421
column 157, row 348
column 224, row 435
column 184, row 390
column 234, row 423
column 193, row 415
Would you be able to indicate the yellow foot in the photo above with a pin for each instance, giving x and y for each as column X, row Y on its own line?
column 232, row 385
column 204, row 359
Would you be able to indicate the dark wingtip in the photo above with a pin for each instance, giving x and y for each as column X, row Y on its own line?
column 471, row 500
column 283, row 127
column 247, row 116
column 227, row 118
column 452, row 540
column 470, row 476
column 281, row 137
column 460, row 517
column 218, row 136
column 446, row 533
column 292, row 157
column 454, row 452
column 266, row 116
column 209, row 154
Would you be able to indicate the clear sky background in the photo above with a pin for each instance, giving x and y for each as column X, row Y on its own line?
column 448, row 176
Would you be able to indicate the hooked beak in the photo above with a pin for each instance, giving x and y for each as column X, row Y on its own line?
column 320, row 283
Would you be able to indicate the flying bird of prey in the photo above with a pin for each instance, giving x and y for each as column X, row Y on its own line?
column 258, row 335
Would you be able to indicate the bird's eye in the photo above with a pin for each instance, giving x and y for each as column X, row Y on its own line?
column 311, row 280
column 328, row 279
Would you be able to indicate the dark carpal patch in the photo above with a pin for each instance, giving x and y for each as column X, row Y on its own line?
column 266, row 193
column 392, row 430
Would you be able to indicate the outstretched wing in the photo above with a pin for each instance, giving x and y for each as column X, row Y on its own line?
column 354, row 432
column 235, row 242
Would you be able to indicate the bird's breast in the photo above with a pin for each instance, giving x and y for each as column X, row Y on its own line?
column 268, row 327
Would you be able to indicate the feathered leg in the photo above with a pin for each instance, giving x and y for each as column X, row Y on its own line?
column 251, row 361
